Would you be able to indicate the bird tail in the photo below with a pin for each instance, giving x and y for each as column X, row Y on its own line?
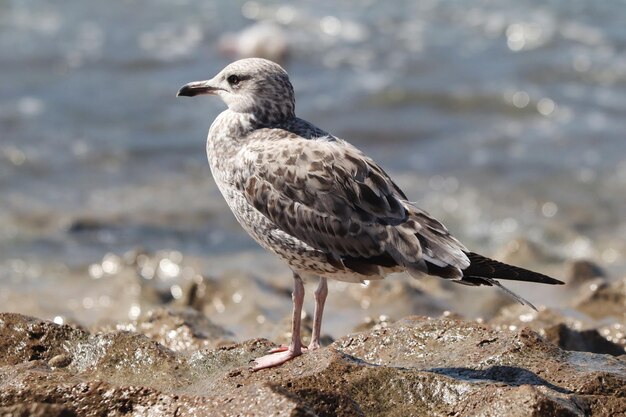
column 483, row 267
column 484, row 271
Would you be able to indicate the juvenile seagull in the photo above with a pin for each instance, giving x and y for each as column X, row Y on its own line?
column 319, row 203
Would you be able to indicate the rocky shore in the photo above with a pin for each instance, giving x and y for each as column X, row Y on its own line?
column 147, row 335
column 177, row 362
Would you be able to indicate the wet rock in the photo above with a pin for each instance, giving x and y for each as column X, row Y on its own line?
column 530, row 401
column 583, row 341
column 583, row 271
column 524, row 252
column 247, row 303
column 374, row 323
column 615, row 333
column 581, row 334
column 417, row 366
column 25, row 339
column 36, row 410
column 197, row 292
column 396, row 296
column 516, row 316
column 498, row 366
column 178, row 329
column 601, row 300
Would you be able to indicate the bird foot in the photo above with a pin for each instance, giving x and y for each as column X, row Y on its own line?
column 275, row 358
column 313, row 346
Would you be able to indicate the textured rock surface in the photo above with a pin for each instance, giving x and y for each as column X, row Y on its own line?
column 179, row 329
column 582, row 334
column 417, row 366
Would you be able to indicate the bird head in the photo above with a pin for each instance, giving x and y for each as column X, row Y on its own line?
column 253, row 85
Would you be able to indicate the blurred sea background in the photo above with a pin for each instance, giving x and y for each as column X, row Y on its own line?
column 503, row 119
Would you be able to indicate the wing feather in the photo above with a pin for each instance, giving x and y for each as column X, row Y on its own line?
column 328, row 194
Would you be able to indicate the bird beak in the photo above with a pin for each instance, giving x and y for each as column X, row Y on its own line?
column 197, row 88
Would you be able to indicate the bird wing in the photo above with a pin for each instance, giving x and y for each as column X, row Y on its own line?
column 331, row 196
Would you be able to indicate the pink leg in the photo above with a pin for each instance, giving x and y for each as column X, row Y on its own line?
column 295, row 347
column 320, row 299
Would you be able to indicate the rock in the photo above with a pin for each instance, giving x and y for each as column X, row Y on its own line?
column 417, row 366
column 601, row 300
column 615, row 333
column 487, row 371
column 524, row 252
column 396, row 296
column 36, row 410
column 582, row 271
column 582, row 334
column 24, row 339
column 178, row 329
column 196, row 292
column 583, row 341
column 246, row 303
column 60, row 361
column 516, row 316
column 374, row 323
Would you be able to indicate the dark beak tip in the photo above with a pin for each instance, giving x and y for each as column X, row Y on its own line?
column 186, row 91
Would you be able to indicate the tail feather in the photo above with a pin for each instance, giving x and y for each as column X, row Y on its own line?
column 510, row 293
column 482, row 267
column 485, row 271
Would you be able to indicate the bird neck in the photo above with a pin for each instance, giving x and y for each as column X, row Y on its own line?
column 242, row 123
column 233, row 126
column 269, row 111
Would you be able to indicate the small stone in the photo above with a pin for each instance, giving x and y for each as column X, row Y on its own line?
column 60, row 361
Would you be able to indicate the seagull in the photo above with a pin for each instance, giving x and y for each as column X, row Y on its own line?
column 319, row 203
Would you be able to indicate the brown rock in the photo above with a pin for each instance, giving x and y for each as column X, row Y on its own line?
column 583, row 341
column 179, row 329
column 582, row 271
column 36, row 410
column 603, row 300
column 524, row 252
column 417, row 366
column 583, row 335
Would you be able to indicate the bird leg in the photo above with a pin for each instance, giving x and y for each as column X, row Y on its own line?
column 295, row 347
column 320, row 299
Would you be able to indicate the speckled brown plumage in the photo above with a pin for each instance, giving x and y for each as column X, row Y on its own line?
column 318, row 202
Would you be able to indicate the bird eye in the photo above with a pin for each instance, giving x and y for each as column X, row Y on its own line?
column 233, row 79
